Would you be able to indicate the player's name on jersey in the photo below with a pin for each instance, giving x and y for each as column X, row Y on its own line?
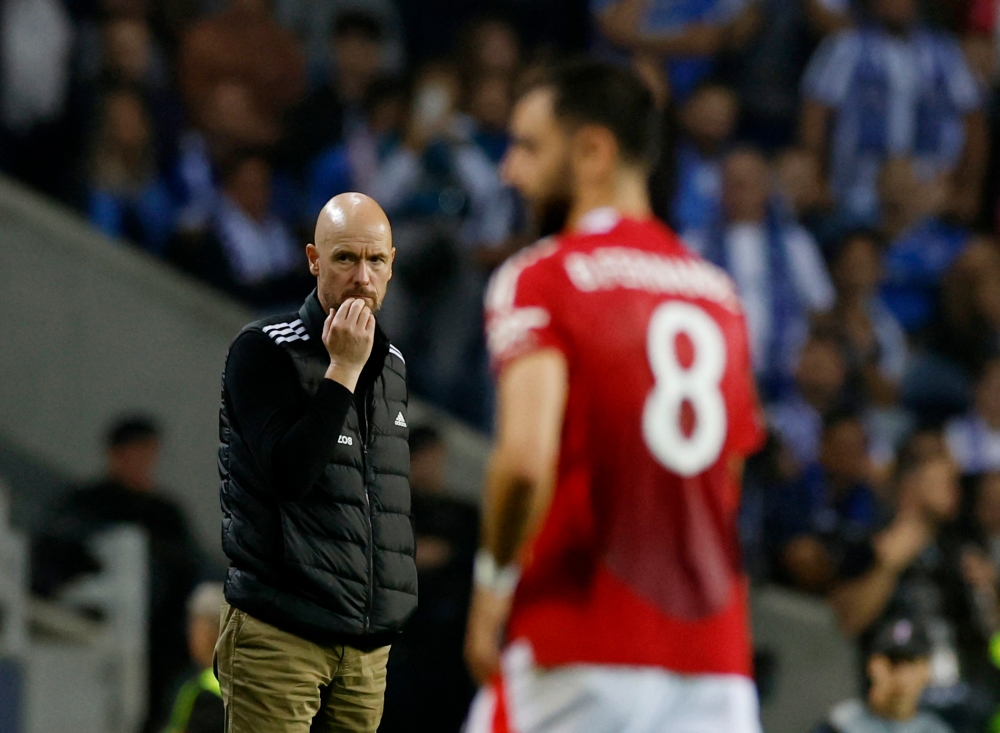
column 621, row 267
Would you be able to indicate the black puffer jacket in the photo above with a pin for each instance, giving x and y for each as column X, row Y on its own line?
column 328, row 556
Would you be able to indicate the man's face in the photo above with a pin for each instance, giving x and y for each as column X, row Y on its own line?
column 897, row 686
column 746, row 187
column 357, row 56
column 844, row 452
column 134, row 464
column 938, row 489
column 538, row 162
column 356, row 264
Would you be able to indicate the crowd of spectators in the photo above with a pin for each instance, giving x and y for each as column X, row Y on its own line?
column 834, row 156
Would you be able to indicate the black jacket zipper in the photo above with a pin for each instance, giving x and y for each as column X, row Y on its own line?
column 368, row 507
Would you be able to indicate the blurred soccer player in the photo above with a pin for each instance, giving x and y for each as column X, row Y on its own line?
column 609, row 590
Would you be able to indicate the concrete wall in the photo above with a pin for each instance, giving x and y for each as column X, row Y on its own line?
column 90, row 328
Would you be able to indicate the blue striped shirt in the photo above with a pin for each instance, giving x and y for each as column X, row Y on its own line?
column 892, row 96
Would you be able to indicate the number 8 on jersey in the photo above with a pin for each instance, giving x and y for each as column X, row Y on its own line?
column 698, row 384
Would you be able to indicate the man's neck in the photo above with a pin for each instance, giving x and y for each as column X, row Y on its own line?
column 627, row 194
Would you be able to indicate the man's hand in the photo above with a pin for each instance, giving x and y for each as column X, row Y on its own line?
column 484, row 633
column 348, row 336
column 901, row 542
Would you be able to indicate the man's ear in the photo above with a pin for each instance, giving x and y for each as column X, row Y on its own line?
column 312, row 254
column 392, row 259
column 595, row 153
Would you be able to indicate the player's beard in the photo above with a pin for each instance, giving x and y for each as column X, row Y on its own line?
column 552, row 210
column 370, row 297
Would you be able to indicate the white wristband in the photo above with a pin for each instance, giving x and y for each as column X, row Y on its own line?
column 487, row 574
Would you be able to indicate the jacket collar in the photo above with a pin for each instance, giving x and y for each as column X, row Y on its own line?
column 313, row 317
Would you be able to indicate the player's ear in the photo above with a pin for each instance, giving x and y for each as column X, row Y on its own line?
column 595, row 153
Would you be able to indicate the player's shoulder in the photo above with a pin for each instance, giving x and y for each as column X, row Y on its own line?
column 530, row 263
column 280, row 329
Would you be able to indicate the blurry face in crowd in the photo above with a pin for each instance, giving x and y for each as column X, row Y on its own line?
column 988, row 395
column 709, row 117
column 489, row 102
column 496, row 49
column 858, row 268
column 250, row 187
column 353, row 253
column 746, row 187
column 844, row 452
column 357, row 59
column 896, row 687
column 800, row 180
column 897, row 15
column 127, row 121
column 934, row 486
column 134, row 464
column 127, row 48
column 821, row 373
column 538, row 162
column 988, row 503
column 427, row 468
column 435, row 98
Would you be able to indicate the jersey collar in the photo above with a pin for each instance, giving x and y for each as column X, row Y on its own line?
column 599, row 221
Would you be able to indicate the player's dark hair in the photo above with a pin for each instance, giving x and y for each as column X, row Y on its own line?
column 131, row 429
column 359, row 23
column 596, row 93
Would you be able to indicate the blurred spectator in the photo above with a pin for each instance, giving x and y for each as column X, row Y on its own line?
column 248, row 250
column 968, row 331
column 446, row 203
column 198, row 706
column 312, row 20
column 127, row 495
column 244, row 50
column 333, row 110
column 921, row 567
column 815, row 521
column 489, row 46
column 126, row 197
column 920, row 247
column 779, row 272
column 39, row 138
column 684, row 36
column 799, row 182
column 487, row 105
column 708, row 120
column 894, row 88
column 130, row 56
column 432, row 689
column 986, row 515
column 873, row 340
column 820, row 376
column 353, row 164
column 974, row 439
column 765, row 72
column 898, row 671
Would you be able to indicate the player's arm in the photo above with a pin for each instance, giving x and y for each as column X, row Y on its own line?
column 531, row 402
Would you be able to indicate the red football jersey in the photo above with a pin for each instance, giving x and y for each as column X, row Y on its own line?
column 637, row 561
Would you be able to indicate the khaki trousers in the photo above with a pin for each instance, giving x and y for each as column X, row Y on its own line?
column 276, row 682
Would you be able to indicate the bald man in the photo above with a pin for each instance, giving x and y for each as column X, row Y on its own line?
column 315, row 495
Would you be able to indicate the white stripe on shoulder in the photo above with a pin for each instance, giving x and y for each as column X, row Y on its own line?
column 397, row 352
column 284, row 332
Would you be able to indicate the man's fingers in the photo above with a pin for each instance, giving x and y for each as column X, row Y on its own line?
column 354, row 314
column 370, row 325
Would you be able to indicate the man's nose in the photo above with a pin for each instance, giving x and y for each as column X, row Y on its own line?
column 362, row 273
